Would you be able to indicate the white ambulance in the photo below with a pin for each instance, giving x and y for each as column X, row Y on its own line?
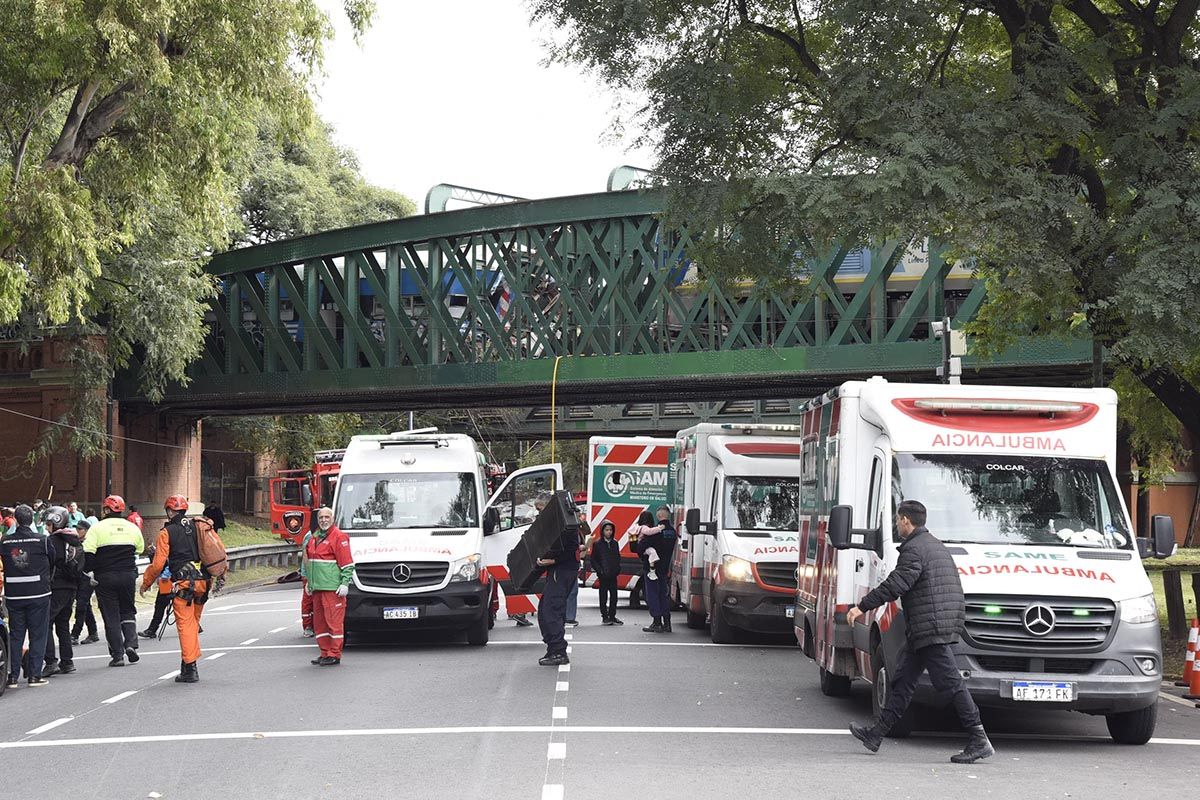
column 626, row 476
column 735, row 566
column 413, row 505
column 1020, row 484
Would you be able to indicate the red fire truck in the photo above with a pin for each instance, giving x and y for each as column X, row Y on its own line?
column 296, row 494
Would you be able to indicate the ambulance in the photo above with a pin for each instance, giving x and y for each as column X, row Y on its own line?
column 414, row 507
column 735, row 566
column 626, row 476
column 1020, row 483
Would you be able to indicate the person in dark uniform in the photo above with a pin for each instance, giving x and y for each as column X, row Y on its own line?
column 84, row 615
column 562, row 569
column 926, row 580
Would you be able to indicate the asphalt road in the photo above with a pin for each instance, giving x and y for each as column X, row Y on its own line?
column 636, row 715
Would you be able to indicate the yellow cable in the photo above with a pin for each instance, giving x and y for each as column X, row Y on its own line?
column 553, row 405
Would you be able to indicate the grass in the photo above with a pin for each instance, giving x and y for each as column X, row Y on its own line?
column 1174, row 650
column 1185, row 557
column 241, row 531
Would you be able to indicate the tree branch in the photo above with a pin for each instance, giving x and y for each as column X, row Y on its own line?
column 75, row 116
column 93, row 127
column 1091, row 16
column 944, row 56
column 796, row 45
column 1176, row 26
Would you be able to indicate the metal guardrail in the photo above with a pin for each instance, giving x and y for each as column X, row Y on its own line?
column 254, row 555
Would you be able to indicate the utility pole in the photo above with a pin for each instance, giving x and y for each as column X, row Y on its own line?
column 954, row 347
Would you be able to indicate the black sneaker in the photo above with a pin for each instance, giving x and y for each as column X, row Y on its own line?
column 39, row 681
column 75, row 640
column 12, row 682
column 66, row 668
column 555, row 660
column 868, row 735
column 329, row 661
column 522, row 622
column 316, row 662
column 608, row 622
column 132, row 654
column 573, row 623
column 148, row 634
column 49, row 669
column 616, row 621
column 117, row 661
column 91, row 639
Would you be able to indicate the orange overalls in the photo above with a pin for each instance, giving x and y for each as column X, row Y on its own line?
column 184, row 603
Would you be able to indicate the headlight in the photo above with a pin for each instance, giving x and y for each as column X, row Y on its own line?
column 465, row 569
column 1139, row 609
column 737, row 569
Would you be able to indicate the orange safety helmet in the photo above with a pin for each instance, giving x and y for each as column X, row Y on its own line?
column 114, row 503
column 176, row 502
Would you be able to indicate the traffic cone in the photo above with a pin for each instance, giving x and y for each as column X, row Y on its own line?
column 1193, row 692
column 1189, row 664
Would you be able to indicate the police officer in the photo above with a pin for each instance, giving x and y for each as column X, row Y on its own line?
column 926, row 579
column 562, row 570
column 110, row 553
column 178, row 548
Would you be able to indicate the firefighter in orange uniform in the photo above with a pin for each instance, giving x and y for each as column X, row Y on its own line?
column 178, row 548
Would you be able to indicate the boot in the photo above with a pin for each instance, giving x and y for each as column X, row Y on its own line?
column 869, row 735
column 187, row 673
column 977, row 747
column 654, row 627
column 666, row 624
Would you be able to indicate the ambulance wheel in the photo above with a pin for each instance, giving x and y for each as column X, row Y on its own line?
column 833, row 685
column 879, row 695
column 635, row 596
column 477, row 634
column 697, row 621
column 1132, row 727
column 718, row 627
column 491, row 619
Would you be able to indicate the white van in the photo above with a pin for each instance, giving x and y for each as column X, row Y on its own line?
column 1020, row 483
column 735, row 567
column 412, row 504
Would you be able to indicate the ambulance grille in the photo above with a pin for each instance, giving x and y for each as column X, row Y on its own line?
column 382, row 574
column 1079, row 623
column 781, row 574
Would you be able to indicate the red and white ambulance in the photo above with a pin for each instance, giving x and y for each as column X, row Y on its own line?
column 1020, row 483
column 626, row 476
column 735, row 566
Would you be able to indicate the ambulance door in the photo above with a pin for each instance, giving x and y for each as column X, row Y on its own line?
column 514, row 501
column 869, row 565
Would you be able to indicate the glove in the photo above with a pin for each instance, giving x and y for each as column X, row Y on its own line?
column 343, row 590
column 308, row 590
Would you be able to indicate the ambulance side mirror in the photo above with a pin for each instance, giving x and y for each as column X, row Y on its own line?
column 843, row 537
column 491, row 520
column 695, row 527
column 1161, row 543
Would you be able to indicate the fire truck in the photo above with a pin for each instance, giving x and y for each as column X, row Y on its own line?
column 296, row 494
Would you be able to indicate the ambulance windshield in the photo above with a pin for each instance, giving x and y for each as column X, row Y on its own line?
column 980, row 499
column 407, row 500
column 761, row 503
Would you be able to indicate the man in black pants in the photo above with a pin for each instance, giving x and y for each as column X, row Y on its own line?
column 84, row 615
column 606, row 563
column 111, row 549
column 562, row 569
column 926, row 579
column 67, row 557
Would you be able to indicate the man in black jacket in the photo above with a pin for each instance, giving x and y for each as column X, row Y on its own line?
column 28, row 560
column 606, row 563
column 926, row 580
column 562, row 569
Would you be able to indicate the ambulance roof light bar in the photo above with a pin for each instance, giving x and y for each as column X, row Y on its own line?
column 1016, row 407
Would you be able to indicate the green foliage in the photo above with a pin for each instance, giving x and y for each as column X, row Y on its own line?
column 1054, row 144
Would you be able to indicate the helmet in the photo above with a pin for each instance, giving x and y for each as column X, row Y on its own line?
column 56, row 518
column 176, row 502
column 114, row 503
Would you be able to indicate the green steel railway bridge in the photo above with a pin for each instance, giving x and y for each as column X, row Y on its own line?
column 587, row 300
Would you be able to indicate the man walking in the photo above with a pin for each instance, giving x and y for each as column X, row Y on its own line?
column 562, row 570
column 329, row 568
column 926, row 581
column 177, row 553
column 67, row 560
column 27, row 560
column 110, row 552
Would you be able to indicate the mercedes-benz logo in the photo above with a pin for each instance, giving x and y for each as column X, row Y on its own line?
column 401, row 573
column 1038, row 619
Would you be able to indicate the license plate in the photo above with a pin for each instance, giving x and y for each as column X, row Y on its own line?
column 790, row 612
column 1043, row 692
column 408, row 612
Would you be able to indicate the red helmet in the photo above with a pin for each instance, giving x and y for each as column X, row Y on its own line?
column 176, row 502
column 114, row 503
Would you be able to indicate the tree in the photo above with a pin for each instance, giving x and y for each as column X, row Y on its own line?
column 125, row 128
column 1052, row 141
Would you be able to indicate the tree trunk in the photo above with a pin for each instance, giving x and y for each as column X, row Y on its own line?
column 1175, row 392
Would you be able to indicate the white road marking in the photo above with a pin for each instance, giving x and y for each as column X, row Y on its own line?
column 251, row 611
column 559, row 712
column 1179, row 700
column 219, row 609
column 569, row 636
column 562, row 686
column 568, row 648
column 52, row 725
column 556, row 751
column 230, row 649
column 214, row 656
column 277, row 630
column 171, row 674
column 117, row 697
column 564, row 667
column 523, row 729
column 249, row 641
column 552, row 791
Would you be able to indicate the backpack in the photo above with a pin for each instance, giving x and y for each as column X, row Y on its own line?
column 213, row 558
column 71, row 567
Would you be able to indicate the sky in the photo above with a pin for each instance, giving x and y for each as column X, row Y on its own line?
column 456, row 91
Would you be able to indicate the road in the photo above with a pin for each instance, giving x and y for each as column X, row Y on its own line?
column 634, row 715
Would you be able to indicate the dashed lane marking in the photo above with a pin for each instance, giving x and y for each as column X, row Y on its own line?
column 219, row 609
column 555, row 751
column 230, row 649
column 562, row 686
column 526, row 729
column 118, row 697
column 49, row 726
column 214, row 656
column 559, row 712
column 249, row 641
column 277, row 630
column 552, row 791
column 171, row 674
column 564, row 667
